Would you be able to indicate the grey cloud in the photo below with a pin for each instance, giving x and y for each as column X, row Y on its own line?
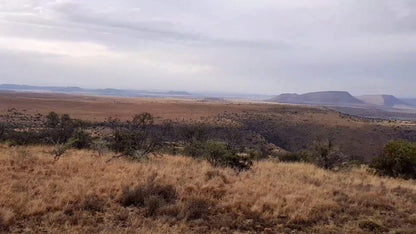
column 253, row 46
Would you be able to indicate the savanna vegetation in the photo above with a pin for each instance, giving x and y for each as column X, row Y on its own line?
column 224, row 174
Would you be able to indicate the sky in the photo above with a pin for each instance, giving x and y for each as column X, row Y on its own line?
column 235, row 46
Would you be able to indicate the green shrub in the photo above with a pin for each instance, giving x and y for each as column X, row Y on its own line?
column 398, row 159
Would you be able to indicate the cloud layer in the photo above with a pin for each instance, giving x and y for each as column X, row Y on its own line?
column 262, row 46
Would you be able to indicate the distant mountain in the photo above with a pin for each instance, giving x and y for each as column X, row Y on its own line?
column 178, row 93
column 103, row 92
column 337, row 98
column 39, row 88
column 383, row 100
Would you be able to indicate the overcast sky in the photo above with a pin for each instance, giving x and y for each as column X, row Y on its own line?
column 237, row 46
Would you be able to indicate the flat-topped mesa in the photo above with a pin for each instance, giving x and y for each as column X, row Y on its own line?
column 382, row 100
column 320, row 98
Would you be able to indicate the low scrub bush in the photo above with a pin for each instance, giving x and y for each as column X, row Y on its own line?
column 398, row 159
column 196, row 208
column 371, row 226
column 152, row 196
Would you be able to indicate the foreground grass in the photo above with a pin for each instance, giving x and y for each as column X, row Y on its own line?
column 81, row 193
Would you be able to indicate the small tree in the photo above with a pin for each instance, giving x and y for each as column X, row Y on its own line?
column 59, row 128
column 398, row 159
column 52, row 120
column 326, row 155
column 136, row 140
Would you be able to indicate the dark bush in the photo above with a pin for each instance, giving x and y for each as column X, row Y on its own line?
column 398, row 159
column 2, row 130
column 195, row 149
column 80, row 139
column 301, row 156
column 25, row 137
column 191, row 133
column 152, row 195
column 371, row 226
column 196, row 208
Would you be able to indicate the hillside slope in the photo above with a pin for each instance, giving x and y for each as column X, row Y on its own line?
column 81, row 193
column 324, row 98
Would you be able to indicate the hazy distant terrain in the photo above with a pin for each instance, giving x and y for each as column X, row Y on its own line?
column 368, row 106
column 103, row 92
column 128, row 92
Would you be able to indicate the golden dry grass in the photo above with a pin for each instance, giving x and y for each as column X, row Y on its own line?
column 81, row 193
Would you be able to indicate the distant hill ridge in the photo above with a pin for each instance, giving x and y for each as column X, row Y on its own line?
column 327, row 98
column 104, row 92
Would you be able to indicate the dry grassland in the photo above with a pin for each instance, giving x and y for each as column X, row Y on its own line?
column 81, row 193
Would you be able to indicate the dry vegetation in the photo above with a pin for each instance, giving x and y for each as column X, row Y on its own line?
column 82, row 193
